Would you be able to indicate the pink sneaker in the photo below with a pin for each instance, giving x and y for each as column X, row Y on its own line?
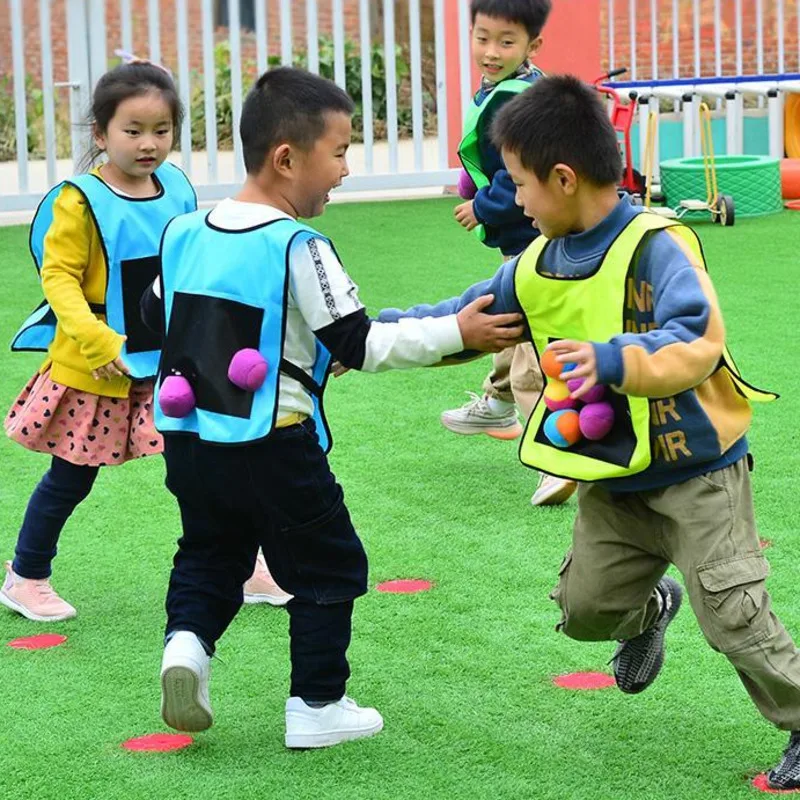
column 261, row 588
column 34, row 599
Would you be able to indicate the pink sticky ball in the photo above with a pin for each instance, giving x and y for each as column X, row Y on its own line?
column 594, row 395
column 466, row 186
column 247, row 369
column 176, row 396
column 596, row 420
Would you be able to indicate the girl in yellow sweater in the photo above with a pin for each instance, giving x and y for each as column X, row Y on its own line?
column 95, row 240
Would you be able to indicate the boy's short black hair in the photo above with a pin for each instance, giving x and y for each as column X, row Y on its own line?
column 560, row 120
column 531, row 14
column 287, row 105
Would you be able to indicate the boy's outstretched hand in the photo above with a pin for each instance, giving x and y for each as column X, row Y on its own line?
column 465, row 216
column 582, row 355
column 489, row 333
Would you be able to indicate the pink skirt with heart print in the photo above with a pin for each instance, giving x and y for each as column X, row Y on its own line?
column 83, row 428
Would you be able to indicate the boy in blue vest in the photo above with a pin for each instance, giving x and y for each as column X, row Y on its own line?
column 246, row 458
column 506, row 35
column 670, row 483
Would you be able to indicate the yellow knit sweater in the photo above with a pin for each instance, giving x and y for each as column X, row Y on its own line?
column 74, row 275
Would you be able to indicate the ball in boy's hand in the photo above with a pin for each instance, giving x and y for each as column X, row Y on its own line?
column 562, row 428
column 176, row 396
column 556, row 396
column 594, row 395
column 596, row 420
column 552, row 368
column 466, row 186
column 247, row 369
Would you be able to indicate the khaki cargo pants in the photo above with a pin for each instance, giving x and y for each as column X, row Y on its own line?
column 622, row 545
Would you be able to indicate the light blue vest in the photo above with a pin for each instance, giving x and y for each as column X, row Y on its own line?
column 225, row 291
column 130, row 233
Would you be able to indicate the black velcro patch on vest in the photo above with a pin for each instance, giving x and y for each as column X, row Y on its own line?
column 615, row 448
column 137, row 275
column 203, row 335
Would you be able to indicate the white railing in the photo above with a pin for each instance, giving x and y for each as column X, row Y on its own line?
column 392, row 163
column 724, row 50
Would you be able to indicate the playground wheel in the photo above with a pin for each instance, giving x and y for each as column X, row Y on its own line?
column 725, row 211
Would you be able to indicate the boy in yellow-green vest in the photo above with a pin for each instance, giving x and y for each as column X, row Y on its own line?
column 624, row 296
column 505, row 36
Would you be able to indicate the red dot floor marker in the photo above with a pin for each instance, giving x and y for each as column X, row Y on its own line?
column 585, row 680
column 39, row 642
column 158, row 742
column 760, row 783
column 404, row 586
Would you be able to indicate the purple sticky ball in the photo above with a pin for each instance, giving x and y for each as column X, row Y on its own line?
column 596, row 420
column 466, row 186
column 594, row 395
column 247, row 369
column 176, row 396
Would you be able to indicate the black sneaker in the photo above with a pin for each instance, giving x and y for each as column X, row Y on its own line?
column 638, row 661
column 786, row 774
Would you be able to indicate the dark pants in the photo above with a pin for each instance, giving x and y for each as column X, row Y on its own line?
column 281, row 495
column 63, row 487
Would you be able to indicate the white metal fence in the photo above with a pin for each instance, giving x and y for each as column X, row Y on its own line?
column 727, row 38
column 387, row 163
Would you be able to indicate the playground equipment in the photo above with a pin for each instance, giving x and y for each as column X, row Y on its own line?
column 622, row 119
column 720, row 206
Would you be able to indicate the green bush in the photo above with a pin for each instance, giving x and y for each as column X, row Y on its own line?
column 352, row 60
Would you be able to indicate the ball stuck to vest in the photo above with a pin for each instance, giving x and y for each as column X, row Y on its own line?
column 248, row 369
column 594, row 395
column 176, row 396
column 466, row 186
column 562, row 428
column 552, row 368
column 596, row 420
column 556, row 396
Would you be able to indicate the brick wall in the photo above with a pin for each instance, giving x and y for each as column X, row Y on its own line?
column 686, row 37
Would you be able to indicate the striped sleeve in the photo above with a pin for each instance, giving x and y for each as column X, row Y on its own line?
column 688, row 335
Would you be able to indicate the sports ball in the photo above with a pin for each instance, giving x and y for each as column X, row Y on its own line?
column 562, row 428
column 596, row 420
column 466, row 186
column 556, row 396
column 553, row 368
column 594, row 395
column 247, row 369
column 176, row 396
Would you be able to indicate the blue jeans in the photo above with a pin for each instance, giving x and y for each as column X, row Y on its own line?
column 63, row 487
column 279, row 494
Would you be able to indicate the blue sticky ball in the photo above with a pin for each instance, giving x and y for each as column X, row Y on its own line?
column 552, row 432
column 568, row 367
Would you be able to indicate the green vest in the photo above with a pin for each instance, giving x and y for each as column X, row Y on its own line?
column 591, row 308
column 468, row 150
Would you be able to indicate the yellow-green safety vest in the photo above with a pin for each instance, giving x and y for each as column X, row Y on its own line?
column 591, row 308
column 468, row 150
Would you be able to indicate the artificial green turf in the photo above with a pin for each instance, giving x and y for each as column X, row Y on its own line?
column 461, row 674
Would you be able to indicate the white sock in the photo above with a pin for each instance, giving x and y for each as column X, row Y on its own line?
column 499, row 407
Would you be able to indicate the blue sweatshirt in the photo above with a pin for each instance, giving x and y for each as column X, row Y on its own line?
column 507, row 227
column 669, row 352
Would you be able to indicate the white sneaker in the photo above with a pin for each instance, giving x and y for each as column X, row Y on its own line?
column 184, row 684
column 553, row 491
column 332, row 724
column 477, row 416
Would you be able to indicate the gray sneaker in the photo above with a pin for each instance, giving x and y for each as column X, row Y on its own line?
column 476, row 416
column 786, row 775
column 638, row 661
